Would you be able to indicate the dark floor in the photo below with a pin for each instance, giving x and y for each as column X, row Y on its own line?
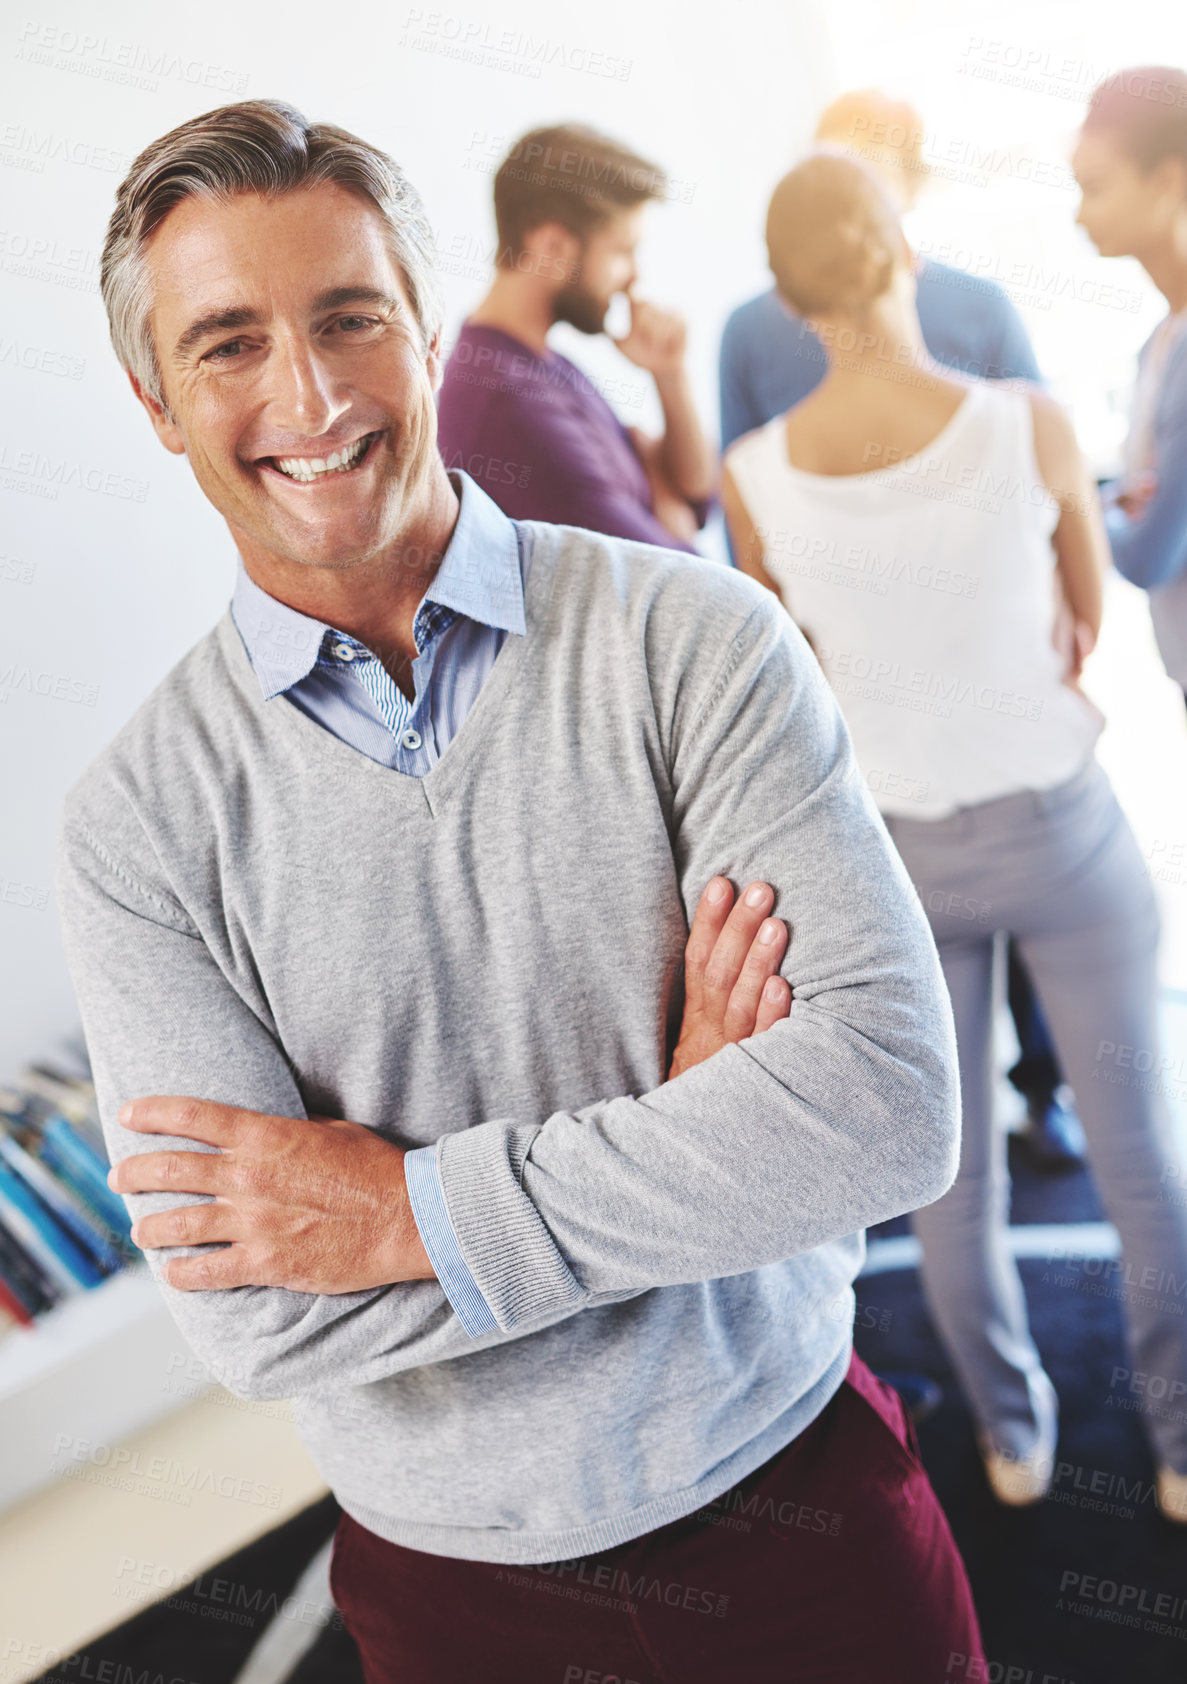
column 1099, row 1530
column 1066, row 1591
column 204, row 1633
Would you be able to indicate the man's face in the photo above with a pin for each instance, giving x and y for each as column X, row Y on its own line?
column 606, row 266
column 286, row 339
column 1124, row 210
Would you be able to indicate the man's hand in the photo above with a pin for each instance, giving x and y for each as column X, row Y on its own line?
column 656, row 340
column 317, row 1205
column 731, row 988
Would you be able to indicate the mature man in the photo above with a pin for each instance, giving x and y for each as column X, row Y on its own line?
column 376, row 909
column 569, row 207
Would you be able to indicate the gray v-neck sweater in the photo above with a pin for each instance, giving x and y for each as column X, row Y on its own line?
column 491, row 958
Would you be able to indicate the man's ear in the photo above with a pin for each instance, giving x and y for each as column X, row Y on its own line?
column 434, row 363
column 552, row 252
column 163, row 423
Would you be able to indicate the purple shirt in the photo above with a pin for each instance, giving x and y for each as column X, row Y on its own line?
column 541, row 441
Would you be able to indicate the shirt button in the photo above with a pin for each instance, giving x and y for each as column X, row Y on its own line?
column 344, row 652
column 410, row 739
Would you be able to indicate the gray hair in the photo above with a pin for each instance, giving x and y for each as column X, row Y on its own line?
column 256, row 146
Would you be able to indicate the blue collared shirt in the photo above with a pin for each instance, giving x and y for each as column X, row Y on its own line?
column 461, row 623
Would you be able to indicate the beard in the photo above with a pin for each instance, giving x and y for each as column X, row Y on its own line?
column 581, row 308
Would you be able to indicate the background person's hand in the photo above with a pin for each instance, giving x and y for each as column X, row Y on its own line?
column 656, row 339
column 1083, row 643
column 1135, row 496
column 1073, row 639
column 731, row 960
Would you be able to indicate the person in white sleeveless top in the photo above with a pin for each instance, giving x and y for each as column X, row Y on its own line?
column 939, row 542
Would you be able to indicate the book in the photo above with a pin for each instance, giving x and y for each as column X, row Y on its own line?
column 63, row 1204
column 62, row 1146
column 62, row 1229
column 24, row 1277
column 12, row 1104
column 12, row 1308
column 27, row 1219
column 63, row 1173
column 72, row 1098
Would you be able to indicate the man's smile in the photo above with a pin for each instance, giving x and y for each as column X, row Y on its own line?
column 311, row 470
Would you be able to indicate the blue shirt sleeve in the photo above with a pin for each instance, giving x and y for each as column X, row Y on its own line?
column 1015, row 353
column 739, row 413
column 1152, row 550
column 972, row 324
column 427, row 1198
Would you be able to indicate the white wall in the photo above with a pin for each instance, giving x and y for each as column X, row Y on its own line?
column 1002, row 92
column 111, row 563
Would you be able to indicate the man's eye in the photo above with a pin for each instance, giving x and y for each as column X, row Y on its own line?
column 356, row 324
column 224, row 353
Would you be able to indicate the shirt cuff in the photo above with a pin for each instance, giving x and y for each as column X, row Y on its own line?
column 427, row 1198
column 503, row 1238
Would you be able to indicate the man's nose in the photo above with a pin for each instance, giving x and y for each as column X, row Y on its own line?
column 304, row 396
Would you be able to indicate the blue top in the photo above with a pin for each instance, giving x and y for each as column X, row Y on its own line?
column 1152, row 550
column 770, row 359
column 474, row 600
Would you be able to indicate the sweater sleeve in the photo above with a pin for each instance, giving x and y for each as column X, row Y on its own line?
column 844, row 1114
column 161, row 1017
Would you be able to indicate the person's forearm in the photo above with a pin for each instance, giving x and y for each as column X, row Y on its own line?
column 685, row 453
column 1146, row 514
column 1151, row 550
column 160, row 1018
column 276, row 1341
column 738, row 1164
column 843, row 1115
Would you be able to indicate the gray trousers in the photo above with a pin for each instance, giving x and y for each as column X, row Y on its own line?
column 1059, row 870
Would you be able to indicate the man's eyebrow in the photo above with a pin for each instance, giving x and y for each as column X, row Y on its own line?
column 227, row 320
column 215, row 321
column 337, row 297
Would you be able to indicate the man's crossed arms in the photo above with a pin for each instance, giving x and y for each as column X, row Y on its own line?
column 320, row 1204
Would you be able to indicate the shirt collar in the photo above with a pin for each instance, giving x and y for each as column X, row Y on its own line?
column 479, row 577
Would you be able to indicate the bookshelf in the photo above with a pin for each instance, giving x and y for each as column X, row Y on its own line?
column 95, row 1355
column 97, row 1367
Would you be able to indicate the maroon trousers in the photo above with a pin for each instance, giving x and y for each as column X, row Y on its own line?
column 831, row 1562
